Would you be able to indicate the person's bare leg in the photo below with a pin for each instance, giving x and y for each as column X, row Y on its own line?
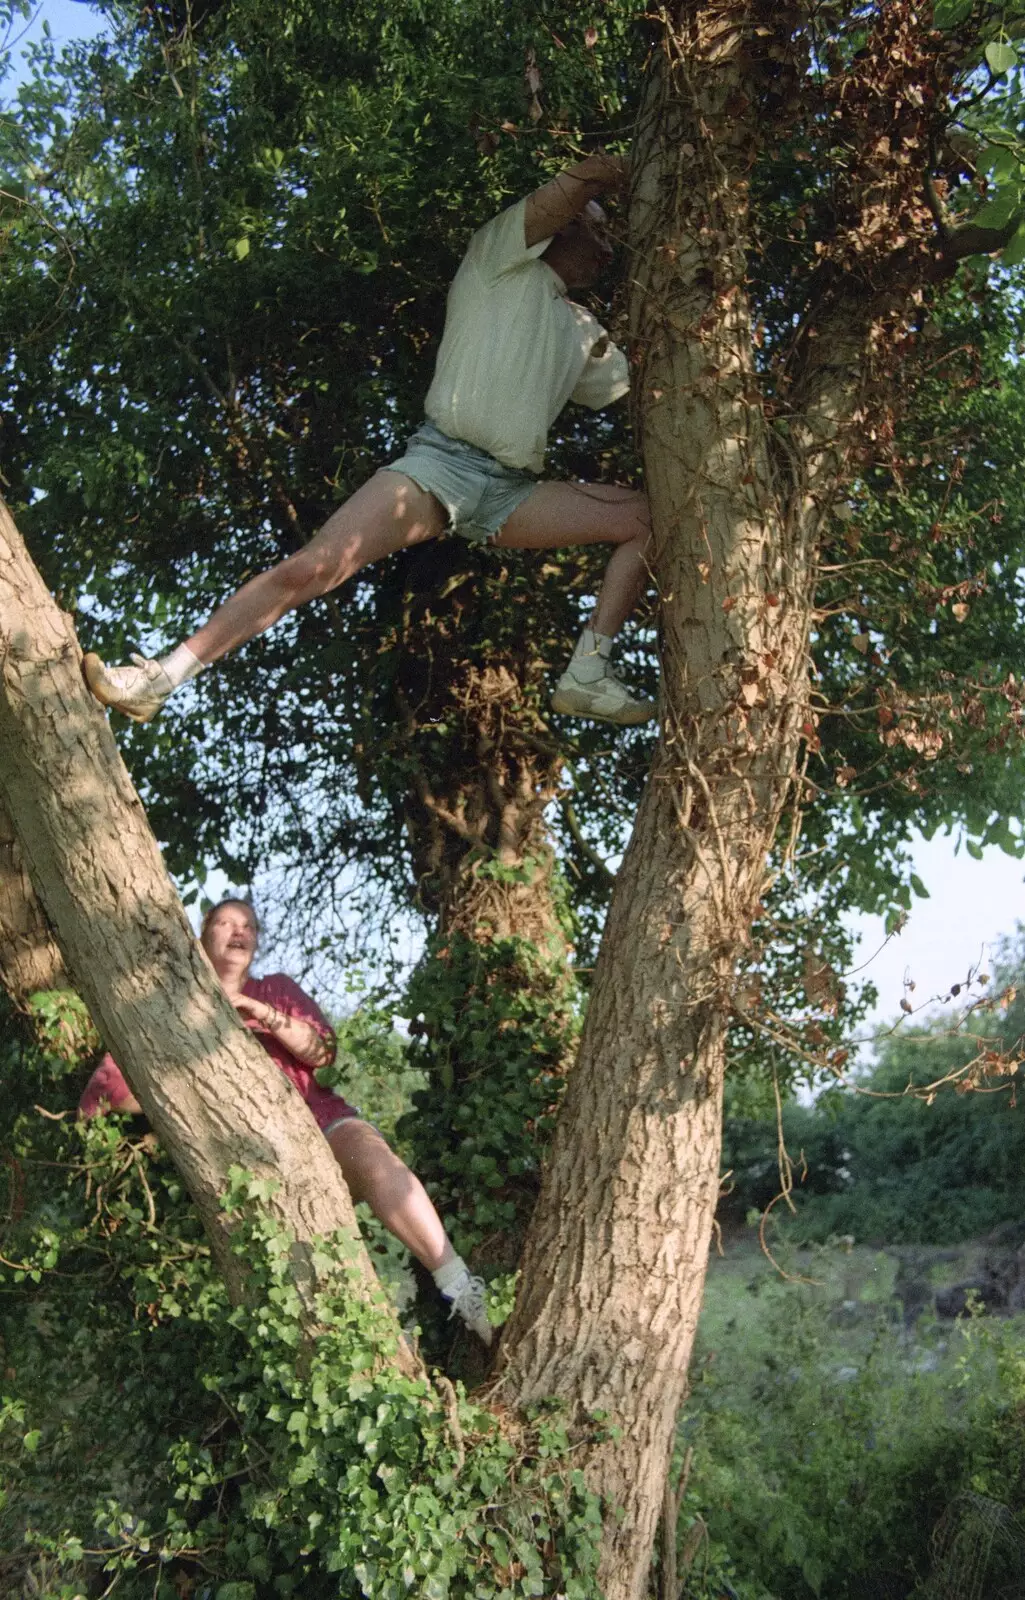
column 559, row 514
column 374, row 1173
column 396, row 1196
column 388, row 513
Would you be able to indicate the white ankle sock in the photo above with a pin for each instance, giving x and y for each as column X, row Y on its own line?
column 451, row 1276
column 181, row 665
column 591, row 656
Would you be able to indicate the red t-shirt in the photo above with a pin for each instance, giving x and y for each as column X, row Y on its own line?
column 107, row 1084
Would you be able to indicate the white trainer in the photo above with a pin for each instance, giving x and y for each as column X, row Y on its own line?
column 137, row 691
column 469, row 1305
column 605, row 698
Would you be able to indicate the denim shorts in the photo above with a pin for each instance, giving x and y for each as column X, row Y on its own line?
column 478, row 492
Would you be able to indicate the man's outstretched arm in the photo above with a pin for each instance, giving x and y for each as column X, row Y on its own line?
column 561, row 199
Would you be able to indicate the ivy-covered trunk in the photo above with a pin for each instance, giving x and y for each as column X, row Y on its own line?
column 214, row 1097
column 493, row 999
column 742, row 467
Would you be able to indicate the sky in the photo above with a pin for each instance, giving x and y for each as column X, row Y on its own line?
column 971, row 904
column 67, row 19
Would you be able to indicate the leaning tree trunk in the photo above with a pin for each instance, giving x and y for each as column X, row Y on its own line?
column 214, row 1097
column 30, row 961
column 613, row 1271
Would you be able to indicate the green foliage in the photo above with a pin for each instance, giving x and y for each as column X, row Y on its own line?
column 354, row 1481
column 895, row 1169
column 825, row 1455
column 223, row 304
column 151, row 1432
column 225, row 256
column 216, row 403
column 494, row 1026
column 881, row 1162
column 64, row 1032
column 750, row 1155
column 371, row 1068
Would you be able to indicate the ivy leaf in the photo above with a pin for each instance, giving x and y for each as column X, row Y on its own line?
column 997, row 211
column 1014, row 252
column 948, row 13
column 1001, row 58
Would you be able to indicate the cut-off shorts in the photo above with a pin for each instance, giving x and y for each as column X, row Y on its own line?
column 479, row 493
column 350, row 1114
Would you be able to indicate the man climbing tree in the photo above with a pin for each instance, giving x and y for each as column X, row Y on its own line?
column 515, row 349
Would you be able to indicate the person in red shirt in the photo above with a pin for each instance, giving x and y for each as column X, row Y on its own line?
column 297, row 1036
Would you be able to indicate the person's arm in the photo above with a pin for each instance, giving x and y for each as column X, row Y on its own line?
column 297, row 1024
column 107, row 1091
column 564, row 197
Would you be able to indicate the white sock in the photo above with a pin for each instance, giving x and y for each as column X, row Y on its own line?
column 181, row 665
column 451, row 1276
column 590, row 656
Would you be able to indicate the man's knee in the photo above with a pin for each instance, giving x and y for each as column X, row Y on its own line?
column 635, row 520
column 305, row 575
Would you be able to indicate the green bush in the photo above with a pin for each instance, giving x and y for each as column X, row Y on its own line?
column 886, row 1166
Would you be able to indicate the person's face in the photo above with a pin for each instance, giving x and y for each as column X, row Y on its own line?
column 585, row 249
column 230, row 936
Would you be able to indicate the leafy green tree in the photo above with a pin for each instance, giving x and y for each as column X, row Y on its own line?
column 926, row 1147
column 798, row 203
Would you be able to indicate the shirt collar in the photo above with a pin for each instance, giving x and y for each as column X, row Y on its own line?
column 560, row 286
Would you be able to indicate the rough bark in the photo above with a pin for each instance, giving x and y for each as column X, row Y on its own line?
column 30, row 961
column 613, row 1271
column 214, row 1097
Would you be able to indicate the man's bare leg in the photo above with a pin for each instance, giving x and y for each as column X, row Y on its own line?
column 559, row 514
column 388, row 513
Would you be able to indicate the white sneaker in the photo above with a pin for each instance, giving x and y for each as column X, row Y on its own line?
column 469, row 1305
column 138, row 691
column 605, row 698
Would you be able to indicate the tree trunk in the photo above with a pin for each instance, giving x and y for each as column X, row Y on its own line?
column 493, row 997
column 482, row 763
column 613, row 1271
column 30, row 961
column 214, row 1097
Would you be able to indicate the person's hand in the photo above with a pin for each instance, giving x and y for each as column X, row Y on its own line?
column 252, row 1010
column 614, row 169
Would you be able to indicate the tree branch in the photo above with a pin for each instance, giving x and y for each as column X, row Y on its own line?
column 971, row 240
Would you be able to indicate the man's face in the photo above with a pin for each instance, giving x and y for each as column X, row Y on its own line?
column 585, row 249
